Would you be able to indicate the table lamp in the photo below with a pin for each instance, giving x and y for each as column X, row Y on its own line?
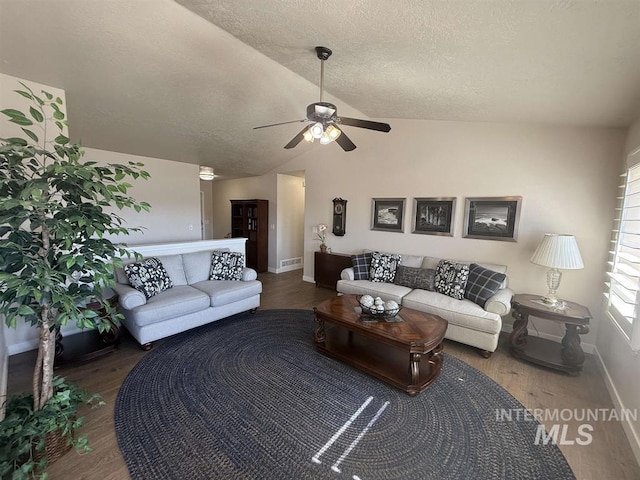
column 557, row 251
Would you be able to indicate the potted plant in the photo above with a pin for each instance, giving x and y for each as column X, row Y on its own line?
column 56, row 211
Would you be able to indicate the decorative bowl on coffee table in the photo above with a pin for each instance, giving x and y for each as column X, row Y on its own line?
column 375, row 312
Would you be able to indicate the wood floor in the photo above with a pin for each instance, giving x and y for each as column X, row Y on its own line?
column 609, row 455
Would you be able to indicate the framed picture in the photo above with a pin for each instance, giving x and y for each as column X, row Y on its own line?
column 433, row 216
column 387, row 214
column 492, row 218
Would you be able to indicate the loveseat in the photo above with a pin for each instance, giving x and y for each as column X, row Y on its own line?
column 191, row 300
column 475, row 319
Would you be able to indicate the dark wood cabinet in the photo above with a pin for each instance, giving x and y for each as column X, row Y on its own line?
column 327, row 268
column 250, row 220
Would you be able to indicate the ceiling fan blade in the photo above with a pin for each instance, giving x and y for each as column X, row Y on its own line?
column 345, row 142
column 297, row 139
column 356, row 122
column 281, row 123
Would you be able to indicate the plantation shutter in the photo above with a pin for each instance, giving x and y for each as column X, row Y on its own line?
column 623, row 295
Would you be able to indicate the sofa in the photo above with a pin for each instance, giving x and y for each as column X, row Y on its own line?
column 191, row 300
column 473, row 322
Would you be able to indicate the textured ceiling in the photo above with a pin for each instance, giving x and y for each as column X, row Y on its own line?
column 153, row 78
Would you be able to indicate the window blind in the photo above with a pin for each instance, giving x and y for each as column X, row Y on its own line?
column 623, row 296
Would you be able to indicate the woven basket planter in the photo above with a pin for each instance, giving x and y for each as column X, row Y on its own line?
column 56, row 445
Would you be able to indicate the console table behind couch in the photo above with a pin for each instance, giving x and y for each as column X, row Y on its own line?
column 176, row 248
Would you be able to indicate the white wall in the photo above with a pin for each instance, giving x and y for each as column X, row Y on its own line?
column 206, row 190
column 290, row 226
column 566, row 176
column 264, row 188
column 173, row 192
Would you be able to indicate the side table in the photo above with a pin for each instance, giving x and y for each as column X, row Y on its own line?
column 89, row 344
column 328, row 267
column 566, row 356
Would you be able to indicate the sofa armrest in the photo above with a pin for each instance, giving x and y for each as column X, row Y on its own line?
column 500, row 303
column 128, row 297
column 249, row 274
column 347, row 274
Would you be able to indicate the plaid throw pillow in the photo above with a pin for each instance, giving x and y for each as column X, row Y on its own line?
column 451, row 278
column 383, row 267
column 361, row 265
column 226, row 266
column 148, row 276
column 482, row 284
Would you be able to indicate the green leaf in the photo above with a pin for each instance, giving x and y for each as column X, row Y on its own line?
column 37, row 116
column 17, row 141
column 24, row 94
column 61, row 140
column 58, row 115
column 31, row 135
column 16, row 117
column 48, row 95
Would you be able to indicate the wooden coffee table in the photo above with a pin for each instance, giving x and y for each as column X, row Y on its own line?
column 406, row 354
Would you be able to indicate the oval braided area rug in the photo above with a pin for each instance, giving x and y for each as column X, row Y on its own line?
column 248, row 397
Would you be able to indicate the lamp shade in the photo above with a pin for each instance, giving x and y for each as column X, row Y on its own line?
column 558, row 251
column 206, row 173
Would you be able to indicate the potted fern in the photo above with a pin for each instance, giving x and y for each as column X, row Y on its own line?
column 56, row 212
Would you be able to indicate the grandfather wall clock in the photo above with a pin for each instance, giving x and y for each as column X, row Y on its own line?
column 339, row 216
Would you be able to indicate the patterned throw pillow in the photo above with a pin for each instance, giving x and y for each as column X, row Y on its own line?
column 226, row 266
column 412, row 277
column 383, row 267
column 451, row 278
column 148, row 276
column 361, row 265
column 482, row 284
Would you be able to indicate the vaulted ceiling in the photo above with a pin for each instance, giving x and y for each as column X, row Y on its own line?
column 188, row 80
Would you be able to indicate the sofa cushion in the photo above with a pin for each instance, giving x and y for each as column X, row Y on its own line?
column 361, row 265
column 415, row 277
column 197, row 265
column 226, row 266
column 482, row 284
column 414, row 261
column 383, row 267
column 451, row 278
column 148, row 276
column 463, row 313
column 386, row 291
column 176, row 302
column 175, row 268
column 224, row 292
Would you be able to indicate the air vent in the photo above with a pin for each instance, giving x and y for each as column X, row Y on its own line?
column 290, row 261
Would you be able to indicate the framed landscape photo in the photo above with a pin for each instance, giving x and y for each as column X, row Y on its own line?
column 492, row 218
column 387, row 214
column 433, row 216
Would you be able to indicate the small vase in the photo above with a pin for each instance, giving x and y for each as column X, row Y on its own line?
column 323, row 248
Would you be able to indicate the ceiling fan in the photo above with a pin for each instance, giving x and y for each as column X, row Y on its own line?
column 324, row 119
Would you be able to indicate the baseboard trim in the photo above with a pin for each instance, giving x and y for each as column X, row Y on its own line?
column 309, row 279
column 288, row 268
column 632, row 435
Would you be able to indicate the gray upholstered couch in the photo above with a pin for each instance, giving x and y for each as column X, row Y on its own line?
column 193, row 300
column 469, row 323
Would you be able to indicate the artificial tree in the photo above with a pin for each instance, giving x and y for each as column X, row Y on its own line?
column 57, row 215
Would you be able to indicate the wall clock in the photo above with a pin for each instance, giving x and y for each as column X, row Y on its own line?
column 339, row 216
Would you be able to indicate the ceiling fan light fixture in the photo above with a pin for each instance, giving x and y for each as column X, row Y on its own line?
column 206, row 173
column 325, row 139
column 308, row 136
column 332, row 132
column 317, row 129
